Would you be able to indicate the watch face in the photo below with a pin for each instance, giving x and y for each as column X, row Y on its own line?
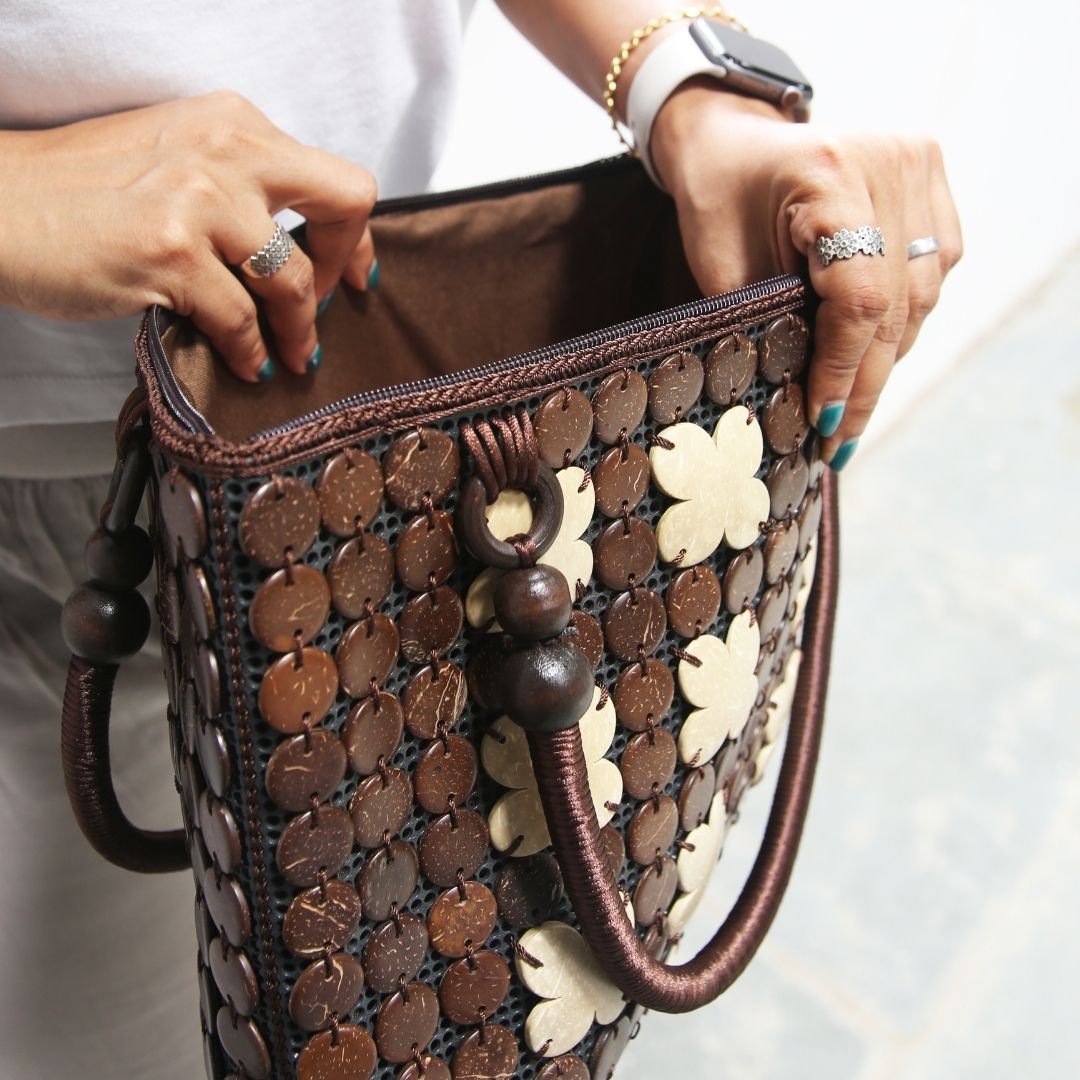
column 722, row 42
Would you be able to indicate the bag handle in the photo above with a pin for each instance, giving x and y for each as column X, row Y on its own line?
column 104, row 621
column 545, row 686
column 559, row 766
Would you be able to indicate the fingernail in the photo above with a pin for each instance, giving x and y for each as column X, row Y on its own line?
column 373, row 275
column 324, row 303
column 266, row 371
column 316, row 359
column 842, row 455
column 832, row 413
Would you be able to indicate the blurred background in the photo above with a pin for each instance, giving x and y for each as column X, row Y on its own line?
column 931, row 928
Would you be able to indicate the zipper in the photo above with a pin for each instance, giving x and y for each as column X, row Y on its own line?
column 707, row 306
column 190, row 417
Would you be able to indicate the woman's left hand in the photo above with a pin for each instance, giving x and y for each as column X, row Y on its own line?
column 754, row 192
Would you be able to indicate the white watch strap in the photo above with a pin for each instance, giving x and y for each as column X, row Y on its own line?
column 676, row 59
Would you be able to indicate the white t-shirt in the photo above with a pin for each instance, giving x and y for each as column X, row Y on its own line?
column 369, row 80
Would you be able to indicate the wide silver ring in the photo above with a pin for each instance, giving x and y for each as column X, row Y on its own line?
column 273, row 255
column 925, row 245
column 847, row 243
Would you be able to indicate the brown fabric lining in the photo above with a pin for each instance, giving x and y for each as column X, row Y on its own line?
column 463, row 285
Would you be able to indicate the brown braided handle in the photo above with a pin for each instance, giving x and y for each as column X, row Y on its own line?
column 105, row 620
column 84, row 746
column 559, row 765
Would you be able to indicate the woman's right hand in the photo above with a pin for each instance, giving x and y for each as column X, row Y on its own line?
column 107, row 216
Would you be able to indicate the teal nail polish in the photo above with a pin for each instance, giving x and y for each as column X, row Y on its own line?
column 373, row 275
column 316, row 359
column 324, row 303
column 829, row 420
column 266, row 371
column 843, row 455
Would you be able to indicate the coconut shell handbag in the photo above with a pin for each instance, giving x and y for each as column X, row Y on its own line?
column 474, row 642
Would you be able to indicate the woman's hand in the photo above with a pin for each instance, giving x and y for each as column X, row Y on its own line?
column 107, row 216
column 754, row 193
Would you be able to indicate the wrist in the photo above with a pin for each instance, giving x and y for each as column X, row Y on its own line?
column 699, row 112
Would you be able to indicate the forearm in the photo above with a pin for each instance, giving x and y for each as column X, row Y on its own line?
column 580, row 37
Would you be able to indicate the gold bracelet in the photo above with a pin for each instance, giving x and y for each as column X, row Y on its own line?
column 611, row 79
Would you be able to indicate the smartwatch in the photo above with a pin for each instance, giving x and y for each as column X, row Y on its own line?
column 744, row 64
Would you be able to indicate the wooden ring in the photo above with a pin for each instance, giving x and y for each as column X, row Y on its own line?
column 482, row 543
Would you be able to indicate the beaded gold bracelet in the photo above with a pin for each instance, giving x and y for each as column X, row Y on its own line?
column 611, row 79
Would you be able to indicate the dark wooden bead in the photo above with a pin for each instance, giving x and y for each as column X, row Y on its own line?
column 546, row 687
column 120, row 560
column 533, row 603
column 104, row 627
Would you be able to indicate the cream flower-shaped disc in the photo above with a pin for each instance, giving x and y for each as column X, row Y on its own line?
column 696, row 865
column 721, row 497
column 511, row 514
column 504, row 751
column 723, row 686
column 574, row 985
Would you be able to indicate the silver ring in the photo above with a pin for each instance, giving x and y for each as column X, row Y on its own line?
column 273, row 255
column 846, row 243
column 925, row 245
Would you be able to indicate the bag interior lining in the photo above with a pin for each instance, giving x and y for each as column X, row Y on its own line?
column 462, row 284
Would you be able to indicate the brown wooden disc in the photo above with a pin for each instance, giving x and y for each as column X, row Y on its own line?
column 674, row 387
column 693, row 601
column 280, row 519
column 493, row 1057
column 290, row 604
column 305, row 766
column 643, row 694
column 430, row 624
column 651, row 831
column 474, row 987
column 563, row 424
column 784, row 348
column 373, row 732
column 346, row 1053
column 387, row 880
column 625, row 553
column 446, row 850
column 315, row 842
column 425, row 551
column 317, row 918
column 406, row 1022
column 634, row 623
column 434, row 699
column 350, row 489
column 621, row 479
column 395, row 951
column 445, row 769
column 360, row 575
column 648, row 760
column 729, row 368
column 423, row 463
column 380, row 806
column 298, row 692
column 619, row 404
column 455, row 923
column 366, row 654
column 326, row 990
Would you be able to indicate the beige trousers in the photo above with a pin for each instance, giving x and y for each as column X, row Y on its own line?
column 98, row 971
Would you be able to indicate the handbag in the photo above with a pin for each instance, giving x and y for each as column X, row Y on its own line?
column 474, row 642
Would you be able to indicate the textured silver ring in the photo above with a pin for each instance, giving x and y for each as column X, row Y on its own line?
column 846, row 243
column 273, row 255
column 925, row 245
